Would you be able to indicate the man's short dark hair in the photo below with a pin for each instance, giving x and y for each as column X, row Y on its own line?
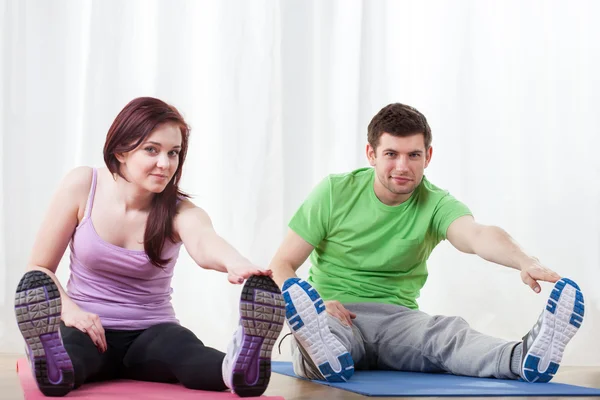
column 398, row 120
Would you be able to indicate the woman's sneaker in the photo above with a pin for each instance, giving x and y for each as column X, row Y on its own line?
column 38, row 310
column 247, row 364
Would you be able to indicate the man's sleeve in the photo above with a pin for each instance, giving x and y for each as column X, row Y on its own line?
column 311, row 221
column 446, row 212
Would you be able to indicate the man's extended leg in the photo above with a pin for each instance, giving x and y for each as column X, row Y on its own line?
column 411, row 340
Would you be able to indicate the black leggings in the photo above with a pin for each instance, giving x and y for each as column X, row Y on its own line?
column 162, row 353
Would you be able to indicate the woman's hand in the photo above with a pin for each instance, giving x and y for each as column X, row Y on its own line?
column 238, row 273
column 86, row 322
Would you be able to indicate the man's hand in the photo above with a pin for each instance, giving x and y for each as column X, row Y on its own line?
column 534, row 271
column 336, row 309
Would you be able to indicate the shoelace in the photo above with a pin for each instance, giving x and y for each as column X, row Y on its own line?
column 281, row 341
column 311, row 371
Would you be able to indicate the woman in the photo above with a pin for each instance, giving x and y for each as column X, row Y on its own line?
column 125, row 225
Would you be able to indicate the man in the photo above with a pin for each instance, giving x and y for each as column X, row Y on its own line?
column 369, row 234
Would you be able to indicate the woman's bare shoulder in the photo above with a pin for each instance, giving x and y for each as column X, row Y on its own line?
column 78, row 180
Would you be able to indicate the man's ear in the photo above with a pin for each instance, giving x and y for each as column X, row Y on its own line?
column 428, row 154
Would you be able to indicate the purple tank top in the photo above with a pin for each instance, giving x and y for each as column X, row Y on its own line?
column 120, row 285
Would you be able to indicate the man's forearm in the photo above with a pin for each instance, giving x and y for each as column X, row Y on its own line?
column 282, row 272
column 495, row 245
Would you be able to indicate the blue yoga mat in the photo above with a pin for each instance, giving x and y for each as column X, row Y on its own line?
column 396, row 383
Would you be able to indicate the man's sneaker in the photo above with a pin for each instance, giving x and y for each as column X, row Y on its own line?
column 307, row 318
column 38, row 308
column 544, row 345
column 247, row 364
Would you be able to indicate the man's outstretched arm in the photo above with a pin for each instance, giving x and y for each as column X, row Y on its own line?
column 495, row 245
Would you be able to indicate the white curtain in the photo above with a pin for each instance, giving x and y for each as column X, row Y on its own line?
column 279, row 94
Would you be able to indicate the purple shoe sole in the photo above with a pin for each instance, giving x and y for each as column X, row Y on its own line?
column 38, row 308
column 262, row 313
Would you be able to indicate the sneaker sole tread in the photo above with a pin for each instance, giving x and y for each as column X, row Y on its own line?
column 38, row 311
column 307, row 318
column 562, row 318
column 262, row 314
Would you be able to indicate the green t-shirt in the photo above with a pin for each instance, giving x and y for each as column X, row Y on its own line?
column 366, row 251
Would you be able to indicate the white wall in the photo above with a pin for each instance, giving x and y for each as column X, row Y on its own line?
column 279, row 94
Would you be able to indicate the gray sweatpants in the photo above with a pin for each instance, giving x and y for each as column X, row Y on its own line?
column 390, row 337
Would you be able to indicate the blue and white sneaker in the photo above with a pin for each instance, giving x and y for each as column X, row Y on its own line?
column 545, row 343
column 325, row 356
column 247, row 365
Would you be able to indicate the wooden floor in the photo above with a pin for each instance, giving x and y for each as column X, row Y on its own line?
column 296, row 389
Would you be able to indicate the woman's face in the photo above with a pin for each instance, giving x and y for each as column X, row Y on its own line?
column 153, row 163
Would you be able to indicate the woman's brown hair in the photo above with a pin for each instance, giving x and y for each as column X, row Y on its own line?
column 130, row 128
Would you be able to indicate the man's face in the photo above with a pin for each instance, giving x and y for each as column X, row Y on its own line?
column 399, row 164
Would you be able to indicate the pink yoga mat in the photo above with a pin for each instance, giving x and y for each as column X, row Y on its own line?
column 123, row 389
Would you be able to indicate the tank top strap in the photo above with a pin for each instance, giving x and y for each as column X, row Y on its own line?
column 90, row 201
